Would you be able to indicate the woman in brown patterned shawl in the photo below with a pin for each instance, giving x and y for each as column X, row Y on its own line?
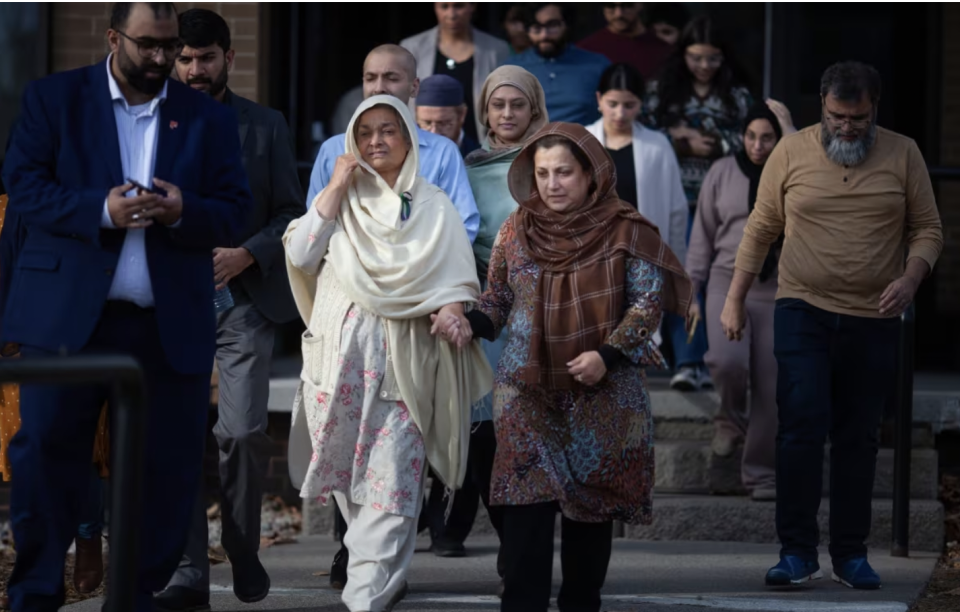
column 579, row 279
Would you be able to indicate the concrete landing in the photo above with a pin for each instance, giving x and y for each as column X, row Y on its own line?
column 643, row 577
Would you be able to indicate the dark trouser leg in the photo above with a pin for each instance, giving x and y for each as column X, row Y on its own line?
column 91, row 514
column 803, row 344
column 528, row 557
column 865, row 367
column 193, row 572
column 244, row 348
column 584, row 556
column 50, row 458
column 455, row 529
column 55, row 451
column 483, row 448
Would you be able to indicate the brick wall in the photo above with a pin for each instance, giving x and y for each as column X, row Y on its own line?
column 948, row 277
column 79, row 37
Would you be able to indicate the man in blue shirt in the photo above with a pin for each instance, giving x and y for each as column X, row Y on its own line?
column 392, row 70
column 569, row 75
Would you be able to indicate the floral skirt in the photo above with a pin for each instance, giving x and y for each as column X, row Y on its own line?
column 366, row 448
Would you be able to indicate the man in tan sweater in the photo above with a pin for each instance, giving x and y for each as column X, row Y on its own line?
column 856, row 207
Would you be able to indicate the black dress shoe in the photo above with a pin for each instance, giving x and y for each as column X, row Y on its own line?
column 445, row 548
column 338, row 571
column 250, row 581
column 181, row 599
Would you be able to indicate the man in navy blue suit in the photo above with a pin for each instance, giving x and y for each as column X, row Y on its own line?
column 107, row 267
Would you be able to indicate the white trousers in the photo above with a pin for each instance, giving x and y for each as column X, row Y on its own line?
column 381, row 546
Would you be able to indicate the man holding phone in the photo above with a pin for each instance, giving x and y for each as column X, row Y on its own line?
column 106, row 267
column 255, row 272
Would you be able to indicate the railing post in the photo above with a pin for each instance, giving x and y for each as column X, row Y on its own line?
column 903, row 436
column 126, row 458
column 127, row 425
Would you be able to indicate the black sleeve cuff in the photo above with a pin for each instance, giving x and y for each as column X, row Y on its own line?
column 481, row 325
column 611, row 356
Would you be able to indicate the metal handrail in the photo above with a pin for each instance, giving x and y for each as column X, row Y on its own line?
column 903, row 436
column 127, row 429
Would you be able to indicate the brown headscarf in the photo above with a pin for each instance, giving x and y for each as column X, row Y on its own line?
column 582, row 253
column 514, row 76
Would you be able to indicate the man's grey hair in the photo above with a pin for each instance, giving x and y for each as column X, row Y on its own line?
column 849, row 81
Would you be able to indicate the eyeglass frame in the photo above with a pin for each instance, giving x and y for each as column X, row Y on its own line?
column 858, row 124
column 553, row 26
column 150, row 54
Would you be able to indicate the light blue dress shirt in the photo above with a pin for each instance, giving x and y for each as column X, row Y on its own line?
column 569, row 82
column 440, row 164
column 137, row 129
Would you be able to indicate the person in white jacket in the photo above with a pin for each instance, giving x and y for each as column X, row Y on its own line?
column 648, row 174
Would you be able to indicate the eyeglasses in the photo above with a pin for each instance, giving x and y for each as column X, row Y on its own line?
column 551, row 27
column 856, row 123
column 148, row 47
column 442, row 126
column 709, row 60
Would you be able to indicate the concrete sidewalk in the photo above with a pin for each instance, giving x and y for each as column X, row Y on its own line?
column 643, row 577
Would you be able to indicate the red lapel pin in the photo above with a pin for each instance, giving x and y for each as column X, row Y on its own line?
column 173, row 125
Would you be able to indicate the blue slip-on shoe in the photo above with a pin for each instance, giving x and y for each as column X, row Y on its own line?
column 793, row 571
column 856, row 574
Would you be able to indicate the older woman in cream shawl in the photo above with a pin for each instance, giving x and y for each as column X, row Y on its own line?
column 378, row 252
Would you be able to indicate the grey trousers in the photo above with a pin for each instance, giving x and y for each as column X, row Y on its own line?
column 741, row 367
column 244, row 348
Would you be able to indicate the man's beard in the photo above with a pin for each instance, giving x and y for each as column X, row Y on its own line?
column 845, row 153
column 137, row 77
column 215, row 86
column 559, row 45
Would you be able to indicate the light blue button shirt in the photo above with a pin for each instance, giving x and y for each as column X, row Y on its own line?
column 440, row 164
column 137, row 128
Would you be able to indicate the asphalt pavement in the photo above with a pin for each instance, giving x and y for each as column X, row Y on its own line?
column 643, row 577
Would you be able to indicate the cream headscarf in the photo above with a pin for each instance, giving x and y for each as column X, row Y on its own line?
column 403, row 271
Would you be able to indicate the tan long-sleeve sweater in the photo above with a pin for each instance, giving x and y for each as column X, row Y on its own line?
column 849, row 230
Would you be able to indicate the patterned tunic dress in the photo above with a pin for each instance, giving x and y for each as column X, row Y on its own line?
column 368, row 449
column 589, row 449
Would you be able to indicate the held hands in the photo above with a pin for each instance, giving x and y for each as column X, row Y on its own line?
column 898, row 295
column 132, row 213
column 701, row 145
column 733, row 319
column 229, row 263
column 451, row 324
column 587, row 369
column 171, row 206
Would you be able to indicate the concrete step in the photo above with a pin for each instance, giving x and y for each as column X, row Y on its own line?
column 690, row 467
column 738, row 519
column 689, row 416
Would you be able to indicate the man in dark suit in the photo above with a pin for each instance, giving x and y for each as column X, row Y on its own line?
column 106, row 267
column 255, row 273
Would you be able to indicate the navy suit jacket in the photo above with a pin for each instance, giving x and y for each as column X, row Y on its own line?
column 64, row 158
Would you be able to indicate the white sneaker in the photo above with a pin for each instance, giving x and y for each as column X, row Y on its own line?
column 687, row 379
